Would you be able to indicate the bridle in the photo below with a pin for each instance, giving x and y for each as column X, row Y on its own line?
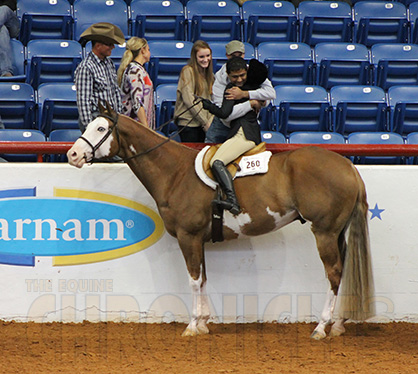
column 94, row 148
column 114, row 126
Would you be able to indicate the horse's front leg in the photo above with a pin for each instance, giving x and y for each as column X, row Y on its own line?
column 200, row 308
column 193, row 253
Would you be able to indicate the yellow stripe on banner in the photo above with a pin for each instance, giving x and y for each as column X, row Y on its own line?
column 114, row 253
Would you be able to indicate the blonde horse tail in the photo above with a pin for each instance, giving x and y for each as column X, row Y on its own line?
column 356, row 294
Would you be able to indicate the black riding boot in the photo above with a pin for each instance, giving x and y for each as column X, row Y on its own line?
column 224, row 178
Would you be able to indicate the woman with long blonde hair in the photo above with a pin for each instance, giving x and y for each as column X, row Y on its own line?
column 135, row 83
column 196, row 78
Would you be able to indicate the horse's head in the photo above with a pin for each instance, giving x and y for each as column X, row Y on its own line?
column 97, row 141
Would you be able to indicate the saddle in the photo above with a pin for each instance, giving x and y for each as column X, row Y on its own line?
column 232, row 167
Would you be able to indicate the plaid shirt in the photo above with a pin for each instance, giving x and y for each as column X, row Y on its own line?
column 95, row 81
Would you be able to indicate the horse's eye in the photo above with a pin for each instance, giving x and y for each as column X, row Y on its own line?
column 101, row 129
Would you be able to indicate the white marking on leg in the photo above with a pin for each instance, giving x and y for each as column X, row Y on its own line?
column 205, row 311
column 195, row 285
column 326, row 316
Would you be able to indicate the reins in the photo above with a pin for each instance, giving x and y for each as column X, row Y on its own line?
column 169, row 137
column 115, row 127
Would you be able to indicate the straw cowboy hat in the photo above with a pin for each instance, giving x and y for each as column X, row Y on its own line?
column 104, row 32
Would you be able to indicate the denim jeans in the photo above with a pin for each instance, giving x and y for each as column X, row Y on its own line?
column 217, row 132
column 9, row 28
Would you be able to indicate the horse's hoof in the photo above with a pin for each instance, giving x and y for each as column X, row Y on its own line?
column 336, row 330
column 202, row 328
column 318, row 335
column 190, row 332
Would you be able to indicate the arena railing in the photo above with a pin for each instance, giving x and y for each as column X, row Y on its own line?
column 48, row 148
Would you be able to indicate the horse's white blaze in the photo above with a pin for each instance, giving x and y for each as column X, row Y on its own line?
column 132, row 148
column 81, row 151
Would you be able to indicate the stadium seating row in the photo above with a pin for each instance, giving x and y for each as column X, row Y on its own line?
column 24, row 135
column 327, row 64
column 17, row 135
column 312, row 22
column 344, row 109
column 355, row 138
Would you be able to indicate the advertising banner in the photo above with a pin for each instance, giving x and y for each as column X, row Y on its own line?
column 89, row 244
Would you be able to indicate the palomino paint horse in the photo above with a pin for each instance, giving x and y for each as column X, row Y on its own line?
column 310, row 183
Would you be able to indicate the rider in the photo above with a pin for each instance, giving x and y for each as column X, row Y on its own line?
column 245, row 131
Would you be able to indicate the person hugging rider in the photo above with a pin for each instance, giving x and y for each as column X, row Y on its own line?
column 245, row 131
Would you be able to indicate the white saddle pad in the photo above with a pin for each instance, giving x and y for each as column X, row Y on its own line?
column 249, row 165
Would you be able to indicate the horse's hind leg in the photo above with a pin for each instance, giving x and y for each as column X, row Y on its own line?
column 328, row 250
column 338, row 328
column 326, row 316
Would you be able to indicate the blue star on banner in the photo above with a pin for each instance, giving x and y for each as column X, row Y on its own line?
column 376, row 212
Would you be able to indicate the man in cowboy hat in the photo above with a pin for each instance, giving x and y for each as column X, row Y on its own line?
column 95, row 76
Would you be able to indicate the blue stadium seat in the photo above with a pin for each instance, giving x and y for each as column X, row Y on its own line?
column 219, row 53
column 165, row 101
column 68, row 136
column 267, row 119
column 342, row 64
column 301, row 108
column 116, row 56
column 273, row 137
column 88, row 12
column 64, row 135
column 412, row 138
column 162, row 20
column 57, row 107
column 376, row 138
column 316, row 137
column 168, row 57
column 403, row 104
column 269, row 21
column 17, row 105
column 358, row 108
column 413, row 16
column 18, row 135
column 19, row 62
column 51, row 60
column 325, row 21
column 287, row 63
column 44, row 19
column 210, row 20
column 380, row 22
column 394, row 64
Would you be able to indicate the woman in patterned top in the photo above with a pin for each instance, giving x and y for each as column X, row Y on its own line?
column 135, row 83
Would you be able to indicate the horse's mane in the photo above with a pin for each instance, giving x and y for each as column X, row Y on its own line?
column 146, row 132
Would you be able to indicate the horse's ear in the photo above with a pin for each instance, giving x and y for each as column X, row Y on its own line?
column 109, row 108
column 101, row 107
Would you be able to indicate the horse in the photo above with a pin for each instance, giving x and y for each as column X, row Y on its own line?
column 309, row 183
